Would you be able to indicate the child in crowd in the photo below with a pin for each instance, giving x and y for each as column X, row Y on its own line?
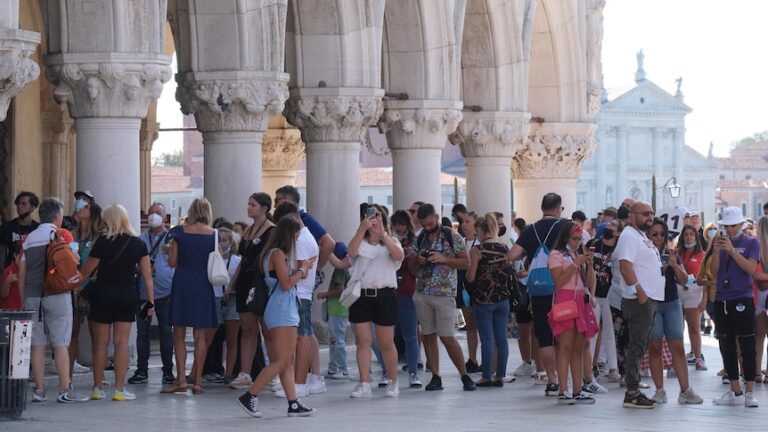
column 338, row 318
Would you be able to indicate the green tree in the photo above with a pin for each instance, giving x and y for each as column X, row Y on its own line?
column 175, row 158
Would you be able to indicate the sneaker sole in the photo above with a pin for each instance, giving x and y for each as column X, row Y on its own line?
column 303, row 414
column 631, row 405
column 433, row 388
column 585, row 401
column 415, row 386
column 256, row 414
column 566, row 402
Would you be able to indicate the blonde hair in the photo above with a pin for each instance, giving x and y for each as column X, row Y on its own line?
column 762, row 234
column 116, row 221
column 199, row 212
column 488, row 225
column 230, row 235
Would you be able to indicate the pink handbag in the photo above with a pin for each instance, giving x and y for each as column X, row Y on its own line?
column 565, row 311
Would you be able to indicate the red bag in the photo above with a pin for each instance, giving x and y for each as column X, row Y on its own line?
column 565, row 311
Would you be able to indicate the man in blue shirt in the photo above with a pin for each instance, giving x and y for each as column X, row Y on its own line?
column 156, row 240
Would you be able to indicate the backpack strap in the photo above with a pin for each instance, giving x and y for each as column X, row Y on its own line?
column 548, row 233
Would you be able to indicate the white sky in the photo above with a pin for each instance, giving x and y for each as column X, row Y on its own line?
column 718, row 47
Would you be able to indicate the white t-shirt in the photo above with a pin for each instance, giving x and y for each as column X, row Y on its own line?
column 635, row 247
column 382, row 269
column 306, row 247
column 231, row 263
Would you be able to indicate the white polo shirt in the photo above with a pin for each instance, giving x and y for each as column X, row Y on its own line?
column 635, row 247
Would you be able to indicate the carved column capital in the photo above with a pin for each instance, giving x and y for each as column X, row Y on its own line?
column 334, row 114
column 107, row 85
column 281, row 150
column 16, row 69
column 555, row 150
column 419, row 124
column 491, row 134
column 232, row 101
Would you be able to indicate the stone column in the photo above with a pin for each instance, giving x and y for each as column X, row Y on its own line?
column 416, row 134
column 108, row 94
column 58, row 133
column 600, row 174
column 489, row 140
column 232, row 110
column 16, row 69
column 150, row 130
column 551, row 161
column 333, row 124
column 622, row 144
column 281, row 152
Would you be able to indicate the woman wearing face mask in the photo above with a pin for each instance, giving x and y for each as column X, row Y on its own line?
column 690, row 250
column 668, row 321
column 87, row 231
column 402, row 228
column 574, row 276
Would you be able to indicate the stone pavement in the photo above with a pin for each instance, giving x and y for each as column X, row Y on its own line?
column 519, row 406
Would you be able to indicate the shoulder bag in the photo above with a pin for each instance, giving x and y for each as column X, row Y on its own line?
column 217, row 270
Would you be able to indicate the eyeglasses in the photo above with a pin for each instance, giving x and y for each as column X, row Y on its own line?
column 656, row 234
column 578, row 238
column 646, row 213
column 731, row 226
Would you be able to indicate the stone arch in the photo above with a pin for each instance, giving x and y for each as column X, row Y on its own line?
column 325, row 40
column 557, row 84
column 494, row 55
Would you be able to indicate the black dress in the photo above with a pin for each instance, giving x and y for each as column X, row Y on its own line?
column 250, row 251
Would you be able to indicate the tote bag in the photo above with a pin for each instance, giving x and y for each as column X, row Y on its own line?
column 217, row 269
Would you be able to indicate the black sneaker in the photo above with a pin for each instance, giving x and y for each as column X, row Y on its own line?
column 584, row 398
column 638, row 400
column 168, row 378
column 472, row 367
column 250, row 404
column 436, row 383
column 469, row 385
column 139, row 377
column 551, row 390
column 298, row 409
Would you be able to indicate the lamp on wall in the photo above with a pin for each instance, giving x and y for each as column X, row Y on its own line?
column 671, row 184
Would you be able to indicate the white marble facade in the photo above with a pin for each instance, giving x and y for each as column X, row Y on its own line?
column 641, row 133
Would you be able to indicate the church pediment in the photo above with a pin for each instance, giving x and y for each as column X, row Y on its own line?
column 646, row 96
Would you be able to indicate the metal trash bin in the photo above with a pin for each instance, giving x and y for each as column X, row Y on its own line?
column 15, row 350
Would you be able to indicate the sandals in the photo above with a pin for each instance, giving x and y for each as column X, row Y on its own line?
column 176, row 388
column 197, row 389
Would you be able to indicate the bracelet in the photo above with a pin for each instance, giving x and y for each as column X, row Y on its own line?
column 301, row 269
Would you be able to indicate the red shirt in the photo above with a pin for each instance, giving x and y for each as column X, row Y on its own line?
column 692, row 261
column 13, row 301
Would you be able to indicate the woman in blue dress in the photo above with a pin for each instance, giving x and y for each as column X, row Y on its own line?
column 278, row 260
column 192, row 298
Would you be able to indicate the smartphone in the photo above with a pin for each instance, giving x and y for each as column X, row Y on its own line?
column 144, row 313
column 370, row 212
column 591, row 249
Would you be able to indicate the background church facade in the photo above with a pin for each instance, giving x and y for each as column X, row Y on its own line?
column 641, row 133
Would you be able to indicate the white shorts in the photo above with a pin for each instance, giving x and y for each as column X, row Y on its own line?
column 690, row 297
column 760, row 306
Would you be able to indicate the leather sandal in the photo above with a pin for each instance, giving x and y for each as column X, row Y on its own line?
column 174, row 389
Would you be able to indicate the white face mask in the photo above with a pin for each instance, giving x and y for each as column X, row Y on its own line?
column 154, row 220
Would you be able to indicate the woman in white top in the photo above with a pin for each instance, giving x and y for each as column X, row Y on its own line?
column 377, row 256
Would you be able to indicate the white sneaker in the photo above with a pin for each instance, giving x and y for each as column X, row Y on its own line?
column 97, row 393
column 508, row 379
column 594, row 387
column 730, row 399
column 362, row 390
column 275, row 385
column 540, row 378
column 689, row 397
column 242, row 381
column 749, row 400
column 613, row 376
column 392, row 389
column 338, row 376
column 301, row 391
column 316, row 384
column 524, row 370
column 122, row 395
column 78, row 368
column 414, row 381
column 660, row 397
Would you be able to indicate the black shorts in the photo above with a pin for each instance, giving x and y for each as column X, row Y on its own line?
column 110, row 304
column 375, row 305
column 241, row 289
column 735, row 318
column 541, row 305
column 525, row 316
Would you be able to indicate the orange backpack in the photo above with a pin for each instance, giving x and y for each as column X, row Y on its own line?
column 61, row 273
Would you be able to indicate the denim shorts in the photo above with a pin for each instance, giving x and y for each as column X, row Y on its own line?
column 305, row 318
column 668, row 321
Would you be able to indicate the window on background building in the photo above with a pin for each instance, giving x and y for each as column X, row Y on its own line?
column 744, row 208
column 722, row 176
column 389, row 200
column 748, row 177
column 173, row 203
column 370, row 199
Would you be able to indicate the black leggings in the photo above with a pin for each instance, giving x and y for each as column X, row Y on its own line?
column 735, row 320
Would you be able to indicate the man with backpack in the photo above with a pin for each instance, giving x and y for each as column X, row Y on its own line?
column 439, row 253
column 46, row 287
column 535, row 242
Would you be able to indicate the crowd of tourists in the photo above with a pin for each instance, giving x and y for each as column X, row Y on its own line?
column 606, row 298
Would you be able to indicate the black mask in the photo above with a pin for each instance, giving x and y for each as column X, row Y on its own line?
column 622, row 212
column 502, row 230
column 608, row 235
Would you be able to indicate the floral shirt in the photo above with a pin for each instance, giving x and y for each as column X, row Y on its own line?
column 438, row 279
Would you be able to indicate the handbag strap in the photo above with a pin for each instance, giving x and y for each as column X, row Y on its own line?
column 119, row 252
column 216, row 240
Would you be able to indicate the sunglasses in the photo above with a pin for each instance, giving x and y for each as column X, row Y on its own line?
column 656, row 234
column 731, row 226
